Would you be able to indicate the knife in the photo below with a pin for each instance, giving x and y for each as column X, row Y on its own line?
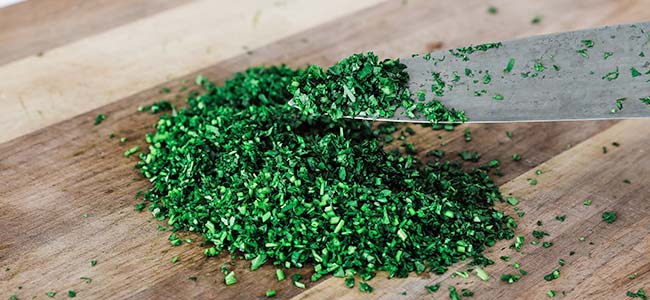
column 593, row 74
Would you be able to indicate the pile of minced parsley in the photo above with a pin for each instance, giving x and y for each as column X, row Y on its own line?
column 257, row 177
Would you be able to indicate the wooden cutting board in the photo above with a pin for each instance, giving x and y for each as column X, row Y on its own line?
column 52, row 177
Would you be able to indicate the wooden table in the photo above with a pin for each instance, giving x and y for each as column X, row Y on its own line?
column 63, row 62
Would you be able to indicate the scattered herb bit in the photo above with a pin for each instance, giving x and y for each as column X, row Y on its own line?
column 561, row 218
column 494, row 163
column 467, row 293
column 230, row 278
column 583, row 53
column 467, row 135
column 609, row 76
column 157, row 107
column 641, row 54
column 509, row 134
column 536, row 20
column 639, row 294
column 635, row 72
column 280, row 274
column 192, row 278
column 607, row 54
column 561, row 262
column 463, row 53
column 93, row 262
column 539, row 67
column 99, row 119
column 510, row 278
column 645, row 100
column 556, row 68
column 588, row 43
column 469, row 156
column 519, row 242
column 516, row 157
column 13, row 297
column 349, row 282
column 547, row 244
column 581, row 238
column 553, row 275
column 174, row 259
column 497, row 97
column 505, row 258
column 492, row 10
column 453, row 294
column 539, row 223
column 609, row 217
column 509, row 66
column 551, row 293
column 51, row 294
column 131, row 151
column 532, row 181
column 615, row 144
column 587, row 202
column 86, row 279
column 432, row 288
column 571, row 253
column 366, row 288
column 72, row 294
column 619, row 105
column 627, row 181
column 512, row 200
column 539, row 234
column 520, row 213
column 480, row 273
column 632, row 276
column 538, row 172
column 604, row 150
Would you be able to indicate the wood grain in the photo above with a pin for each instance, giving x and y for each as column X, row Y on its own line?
column 53, row 176
column 41, row 90
column 36, row 26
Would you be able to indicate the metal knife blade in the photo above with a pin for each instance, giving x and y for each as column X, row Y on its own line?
column 581, row 75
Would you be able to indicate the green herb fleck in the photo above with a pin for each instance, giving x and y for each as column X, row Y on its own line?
column 609, row 217
column 99, row 119
column 609, row 76
column 553, row 275
column 72, row 293
column 453, row 294
column 86, row 279
column 270, row 293
column 497, row 97
column 230, row 278
column 509, row 66
column 536, row 20
column 492, row 10
column 607, row 54
column 432, row 288
column 551, row 293
column 131, row 151
column 93, row 262
column 635, row 72
column 366, row 288
column 516, row 157
column 510, row 278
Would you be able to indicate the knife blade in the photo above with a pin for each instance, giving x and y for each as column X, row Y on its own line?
column 592, row 74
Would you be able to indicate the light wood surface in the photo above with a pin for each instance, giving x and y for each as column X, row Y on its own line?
column 53, row 176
